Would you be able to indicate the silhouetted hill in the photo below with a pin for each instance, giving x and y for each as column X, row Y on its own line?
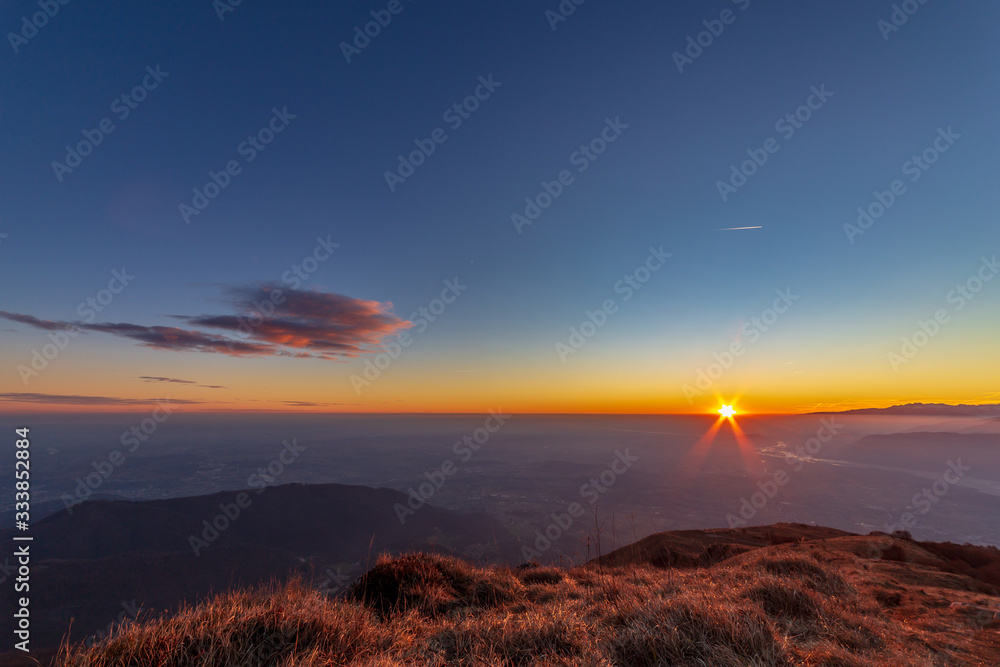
column 694, row 548
column 964, row 454
column 89, row 565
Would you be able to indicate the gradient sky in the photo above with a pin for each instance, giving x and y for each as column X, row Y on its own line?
column 496, row 344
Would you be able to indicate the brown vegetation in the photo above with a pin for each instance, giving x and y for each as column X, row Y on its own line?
column 803, row 602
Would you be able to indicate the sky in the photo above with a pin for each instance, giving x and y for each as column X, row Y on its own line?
column 548, row 207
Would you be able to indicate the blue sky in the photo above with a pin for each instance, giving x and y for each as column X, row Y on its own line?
column 655, row 185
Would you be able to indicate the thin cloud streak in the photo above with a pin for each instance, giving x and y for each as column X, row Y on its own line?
column 74, row 399
column 149, row 378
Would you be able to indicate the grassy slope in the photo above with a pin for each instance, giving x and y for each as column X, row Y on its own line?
column 839, row 600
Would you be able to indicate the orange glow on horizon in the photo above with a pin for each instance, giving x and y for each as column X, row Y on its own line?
column 467, row 405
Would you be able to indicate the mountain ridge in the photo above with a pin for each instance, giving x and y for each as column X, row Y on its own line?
column 928, row 409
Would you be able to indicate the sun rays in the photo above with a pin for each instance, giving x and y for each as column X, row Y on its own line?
column 727, row 415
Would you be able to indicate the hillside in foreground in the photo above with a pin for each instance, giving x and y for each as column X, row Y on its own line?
column 781, row 595
column 104, row 557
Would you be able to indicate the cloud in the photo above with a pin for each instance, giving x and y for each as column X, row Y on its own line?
column 47, row 325
column 267, row 322
column 72, row 399
column 149, row 378
column 318, row 324
column 166, row 338
column 172, row 338
column 310, row 404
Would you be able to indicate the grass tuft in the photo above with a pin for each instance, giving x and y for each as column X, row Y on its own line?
column 772, row 609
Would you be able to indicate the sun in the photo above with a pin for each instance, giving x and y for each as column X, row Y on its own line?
column 727, row 411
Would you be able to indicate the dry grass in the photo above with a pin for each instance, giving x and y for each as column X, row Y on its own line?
column 762, row 609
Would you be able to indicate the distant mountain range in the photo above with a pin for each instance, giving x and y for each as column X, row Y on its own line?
column 928, row 409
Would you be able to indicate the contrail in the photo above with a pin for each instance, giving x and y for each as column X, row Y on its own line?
column 729, row 229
